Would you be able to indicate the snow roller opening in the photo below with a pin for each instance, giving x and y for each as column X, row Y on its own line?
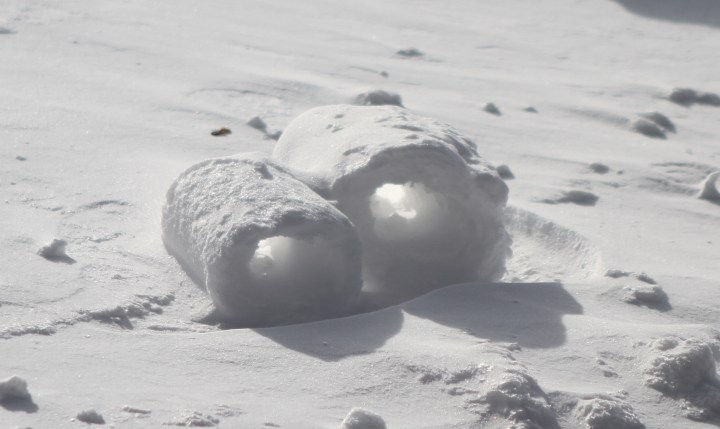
column 268, row 249
column 293, row 266
column 427, row 208
column 409, row 213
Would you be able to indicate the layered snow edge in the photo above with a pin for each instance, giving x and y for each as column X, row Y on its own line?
column 354, row 197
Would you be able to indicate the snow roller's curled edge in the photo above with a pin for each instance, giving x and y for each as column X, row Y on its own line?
column 268, row 249
column 428, row 209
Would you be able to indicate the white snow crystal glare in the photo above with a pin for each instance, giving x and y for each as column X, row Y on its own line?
column 427, row 208
column 267, row 248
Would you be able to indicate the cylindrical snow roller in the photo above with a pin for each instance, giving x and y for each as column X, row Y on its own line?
column 267, row 248
column 427, row 207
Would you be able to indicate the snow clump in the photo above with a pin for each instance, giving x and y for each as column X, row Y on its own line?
column 599, row 168
column 663, row 121
column 90, row 416
column 378, row 98
column 427, row 208
column 360, row 418
column 195, row 419
column 680, row 366
column 648, row 128
column 650, row 296
column 685, row 369
column 504, row 172
column 55, row 250
column 606, row 412
column 687, row 97
column 267, row 248
column 518, row 397
column 13, row 388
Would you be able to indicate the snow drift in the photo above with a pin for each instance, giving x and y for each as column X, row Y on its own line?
column 427, row 208
column 267, row 248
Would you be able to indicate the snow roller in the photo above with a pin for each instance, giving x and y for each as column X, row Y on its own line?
column 427, row 208
column 268, row 249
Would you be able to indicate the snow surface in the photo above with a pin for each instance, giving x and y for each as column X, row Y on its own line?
column 106, row 103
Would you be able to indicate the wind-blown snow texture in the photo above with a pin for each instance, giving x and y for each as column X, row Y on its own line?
column 267, row 248
column 427, row 207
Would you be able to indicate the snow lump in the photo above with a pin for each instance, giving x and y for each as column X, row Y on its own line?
column 360, row 418
column 428, row 209
column 13, row 388
column 267, row 248
column 606, row 412
column 685, row 369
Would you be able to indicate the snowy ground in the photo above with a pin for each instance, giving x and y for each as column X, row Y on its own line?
column 105, row 103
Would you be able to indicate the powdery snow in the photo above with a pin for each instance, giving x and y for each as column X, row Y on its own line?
column 13, row 388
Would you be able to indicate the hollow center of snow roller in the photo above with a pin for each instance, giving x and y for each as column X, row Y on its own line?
column 408, row 212
column 301, row 264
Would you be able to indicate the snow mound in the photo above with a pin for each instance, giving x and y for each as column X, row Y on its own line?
column 574, row 196
column 504, row 172
column 643, row 277
column 606, row 412
column 599, row 168
column 647, row 295
column 686, row 369
column 648, row 128
column 680, row 366
column 409, row 53
column 55, row 251
column 195, row 419
column 267, row 248
column 518, row 397
column 360, row 418
column 492, row 109
column 13, row 388
column 687, row 97
column 661, row 120
column 709, row 189
column 90, row 416
column 427, row 208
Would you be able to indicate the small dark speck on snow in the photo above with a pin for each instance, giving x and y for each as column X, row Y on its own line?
column 221, row 132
